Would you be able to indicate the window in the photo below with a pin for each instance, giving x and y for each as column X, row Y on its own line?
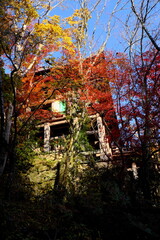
column 59, row 106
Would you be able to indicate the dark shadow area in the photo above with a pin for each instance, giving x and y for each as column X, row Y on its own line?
column 98, row 209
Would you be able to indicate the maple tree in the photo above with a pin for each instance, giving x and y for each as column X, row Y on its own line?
column 141, row 112
column 136, row 97
column 77, row 76
column 145, row 111
column 26, row 38
column 87, row 91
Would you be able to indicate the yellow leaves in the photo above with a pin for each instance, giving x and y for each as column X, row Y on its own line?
column 78, row 22
column 71, row 21
column 79, row 16
column 82, row 12
column 51, row 31
column 55, row 19
column 49, row 27
column 24, row 8
column 67, row 39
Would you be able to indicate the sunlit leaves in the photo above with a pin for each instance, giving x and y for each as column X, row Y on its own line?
column 26, row 36
column 78, row 22
column 137, row 99
column 28, row 13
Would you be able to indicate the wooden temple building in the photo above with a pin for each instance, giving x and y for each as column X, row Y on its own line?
column 104, row 148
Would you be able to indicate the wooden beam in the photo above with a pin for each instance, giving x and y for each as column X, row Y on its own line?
column 54, row 123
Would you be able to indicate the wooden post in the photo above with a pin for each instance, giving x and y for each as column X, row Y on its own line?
column 105, row 150
column 46, row 137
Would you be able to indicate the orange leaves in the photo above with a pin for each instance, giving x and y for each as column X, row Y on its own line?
column 86, row 82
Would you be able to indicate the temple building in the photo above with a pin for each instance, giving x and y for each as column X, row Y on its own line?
column 91, row 91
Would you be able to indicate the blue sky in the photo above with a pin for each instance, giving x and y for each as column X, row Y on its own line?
column 117, row 40
column 100, row 18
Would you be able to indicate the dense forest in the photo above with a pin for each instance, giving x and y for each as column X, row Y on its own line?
column 79, row 123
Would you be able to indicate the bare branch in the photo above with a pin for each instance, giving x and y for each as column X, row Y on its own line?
column 142, row 21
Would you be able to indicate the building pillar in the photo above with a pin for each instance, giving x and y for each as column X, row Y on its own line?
column 105, row 150
column 46, row 137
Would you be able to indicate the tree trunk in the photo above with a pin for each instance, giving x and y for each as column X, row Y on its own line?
column 5, row 129
column 2, row 131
